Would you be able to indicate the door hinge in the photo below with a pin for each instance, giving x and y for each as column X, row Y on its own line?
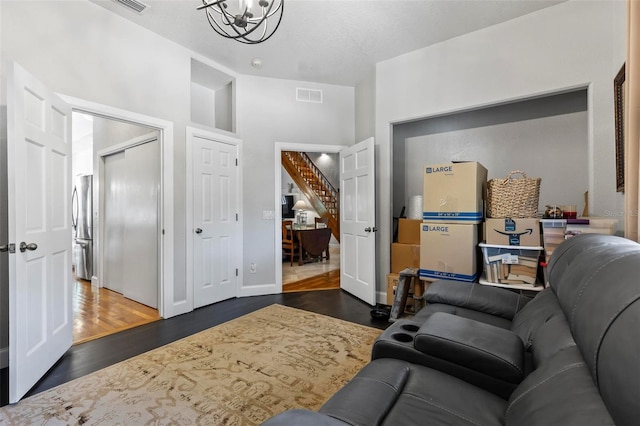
column 236, row 217
column 236, row 272
column 236, row 162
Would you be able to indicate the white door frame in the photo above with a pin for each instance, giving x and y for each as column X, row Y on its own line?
column 167, row 307
column 222, row 138
column 279, row 147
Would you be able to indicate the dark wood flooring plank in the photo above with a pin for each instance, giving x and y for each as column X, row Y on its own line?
column 94, row 355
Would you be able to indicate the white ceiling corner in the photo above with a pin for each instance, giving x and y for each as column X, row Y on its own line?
column 328, row 41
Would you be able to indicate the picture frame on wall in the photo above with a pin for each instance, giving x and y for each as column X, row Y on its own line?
column 618, row 92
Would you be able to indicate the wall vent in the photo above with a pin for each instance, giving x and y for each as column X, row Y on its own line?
column 135, row 5
column 308, row 95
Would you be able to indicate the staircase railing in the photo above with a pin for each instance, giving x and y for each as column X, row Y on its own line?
column 315, row 186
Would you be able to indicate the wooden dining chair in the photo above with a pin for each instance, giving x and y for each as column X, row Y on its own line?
column 289, row 244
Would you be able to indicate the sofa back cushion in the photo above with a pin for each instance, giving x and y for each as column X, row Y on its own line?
column 600, row 296
column 541, row 309
column 559, row 392
column 578, row 247
column 604, row 316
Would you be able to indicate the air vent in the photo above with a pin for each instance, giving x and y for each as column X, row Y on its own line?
column 135, row 5
column 308, row 95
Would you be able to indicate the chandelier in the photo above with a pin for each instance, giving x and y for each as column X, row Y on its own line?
column 246, row 21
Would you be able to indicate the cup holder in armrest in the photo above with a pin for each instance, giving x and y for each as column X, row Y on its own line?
column 402, row 337
column 410, row 327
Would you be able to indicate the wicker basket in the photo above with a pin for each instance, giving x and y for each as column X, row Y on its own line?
column 510, row 197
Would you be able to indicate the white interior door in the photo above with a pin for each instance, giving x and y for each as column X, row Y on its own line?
column 141, row 227
column 131, row 224
column 114, row 221
column 215, row 221
column 39, row 176
column 358, row 221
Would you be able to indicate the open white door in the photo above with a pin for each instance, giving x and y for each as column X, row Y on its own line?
column 358, row 221
column 215, row 221
column 39, row 186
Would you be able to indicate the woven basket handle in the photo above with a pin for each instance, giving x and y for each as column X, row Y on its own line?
column 514, row 172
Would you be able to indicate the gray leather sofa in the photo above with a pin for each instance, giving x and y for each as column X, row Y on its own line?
column 481, row 355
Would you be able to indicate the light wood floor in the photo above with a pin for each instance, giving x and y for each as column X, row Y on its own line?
column 326, row 281
column 296, row 273
column 99, row 312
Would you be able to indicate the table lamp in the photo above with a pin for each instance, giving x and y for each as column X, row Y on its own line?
column 302, row 208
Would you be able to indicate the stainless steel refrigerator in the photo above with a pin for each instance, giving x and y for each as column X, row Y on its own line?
column 81, row 218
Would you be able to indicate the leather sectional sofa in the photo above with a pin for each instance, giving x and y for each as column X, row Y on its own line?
column 481, row 355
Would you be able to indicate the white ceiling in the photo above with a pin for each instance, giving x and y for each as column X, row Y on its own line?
column 328, row 41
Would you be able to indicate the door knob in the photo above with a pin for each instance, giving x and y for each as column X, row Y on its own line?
column 31, row 246
column 4, row 247
column 198, row 231
column 370, row 229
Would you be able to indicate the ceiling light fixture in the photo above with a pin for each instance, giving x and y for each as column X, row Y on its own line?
column 245, row 21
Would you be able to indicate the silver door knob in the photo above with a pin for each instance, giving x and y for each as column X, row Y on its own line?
column 198, row 231
column 370, row 229
column 4, row 247
column 31, row 246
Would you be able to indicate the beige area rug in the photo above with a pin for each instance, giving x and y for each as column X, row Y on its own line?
column 238, row 373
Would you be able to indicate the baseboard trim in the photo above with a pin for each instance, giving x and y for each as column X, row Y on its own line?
column 4, row 357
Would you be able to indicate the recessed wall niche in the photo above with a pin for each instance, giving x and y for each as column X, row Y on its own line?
column 545, row 137
column 212, row 97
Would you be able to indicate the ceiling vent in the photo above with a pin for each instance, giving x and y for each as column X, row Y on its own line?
column 309, row 95
column 135, row 5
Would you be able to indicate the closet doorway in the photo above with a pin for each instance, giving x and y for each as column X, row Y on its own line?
column 122, row 289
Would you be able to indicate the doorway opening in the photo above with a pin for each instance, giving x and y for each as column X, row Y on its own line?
column 114, row 288
column 310, row 273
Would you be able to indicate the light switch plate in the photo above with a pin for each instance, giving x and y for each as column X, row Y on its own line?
column 267, row 214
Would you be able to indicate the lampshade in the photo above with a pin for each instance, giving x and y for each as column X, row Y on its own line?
column 246, row 21
column 300, row 205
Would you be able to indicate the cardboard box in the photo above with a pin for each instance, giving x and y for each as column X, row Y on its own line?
column 505, row 264
column 454, row 192
column 449, row 251
column 513, row 232
column 409, row 231
column 404, row 256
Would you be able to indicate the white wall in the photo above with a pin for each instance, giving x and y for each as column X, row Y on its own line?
column 203, row 105
column 574, row 44
column 544, row 137
column 366, row 107
column 268, row 113
column 81, row 50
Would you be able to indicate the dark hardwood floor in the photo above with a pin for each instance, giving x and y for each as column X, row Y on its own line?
column 94, row 355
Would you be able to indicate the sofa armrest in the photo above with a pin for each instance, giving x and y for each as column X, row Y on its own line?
column 487, row 299
column 302, row 417
column 481, row 347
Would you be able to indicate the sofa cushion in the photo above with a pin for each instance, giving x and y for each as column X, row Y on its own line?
column 477, row 297
column 540, row 310
column 426, row 396
column 551, row 337
column 432, row 308
column 559, row 392
column 481, row 347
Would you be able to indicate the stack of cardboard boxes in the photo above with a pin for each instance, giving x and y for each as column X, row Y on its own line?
column 453, row 211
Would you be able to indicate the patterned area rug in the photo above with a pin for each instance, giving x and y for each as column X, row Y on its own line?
column 238, row 373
